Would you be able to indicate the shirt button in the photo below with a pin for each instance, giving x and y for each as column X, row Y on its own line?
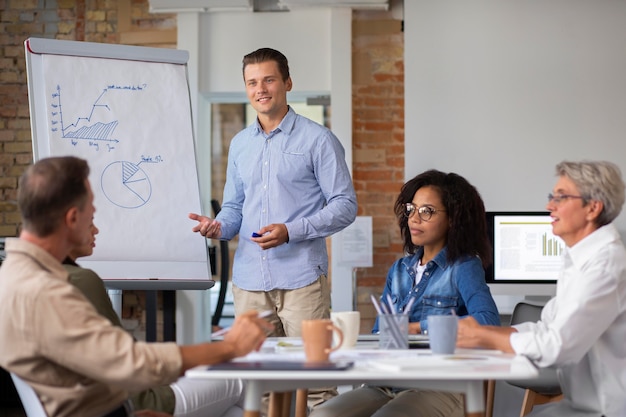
column 438, row 303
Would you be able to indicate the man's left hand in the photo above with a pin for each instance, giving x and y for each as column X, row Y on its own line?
column 272, row 236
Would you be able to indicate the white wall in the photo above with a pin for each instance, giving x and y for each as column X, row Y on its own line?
column 303, row 36
column 500, row 91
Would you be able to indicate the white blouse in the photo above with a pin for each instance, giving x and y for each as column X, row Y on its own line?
column 582, row 330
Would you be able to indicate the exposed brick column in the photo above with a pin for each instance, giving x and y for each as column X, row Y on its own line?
column 16, row 25
column 80, row 20
column 89, row 20
column 378, row 144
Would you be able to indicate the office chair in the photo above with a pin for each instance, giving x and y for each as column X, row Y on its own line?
column 541, row 390
column 28, row 396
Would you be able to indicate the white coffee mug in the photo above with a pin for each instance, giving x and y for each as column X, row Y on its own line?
column 350, row 324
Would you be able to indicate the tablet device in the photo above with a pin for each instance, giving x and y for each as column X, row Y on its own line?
column 281, row 366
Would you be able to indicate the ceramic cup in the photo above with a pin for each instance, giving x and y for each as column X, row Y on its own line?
column 442, row 334
column 350, row 324
column 317, row 338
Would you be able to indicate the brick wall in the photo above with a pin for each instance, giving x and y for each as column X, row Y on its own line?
column 378, row 143
column 378, row 106
column 107, row 21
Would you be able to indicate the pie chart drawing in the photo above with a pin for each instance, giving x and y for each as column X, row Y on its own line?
column 126, row 185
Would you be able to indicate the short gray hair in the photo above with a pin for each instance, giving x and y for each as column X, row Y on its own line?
column 597, row 180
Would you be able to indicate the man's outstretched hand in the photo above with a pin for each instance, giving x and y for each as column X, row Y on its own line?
column 206, row 226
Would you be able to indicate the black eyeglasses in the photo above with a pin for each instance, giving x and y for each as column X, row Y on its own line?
column 424, row 212
column 557, row 198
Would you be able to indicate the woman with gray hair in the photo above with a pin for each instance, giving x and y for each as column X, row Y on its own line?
column 601, row 181
column 583, row 328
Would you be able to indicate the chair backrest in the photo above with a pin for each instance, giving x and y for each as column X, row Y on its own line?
column 547, row 383
column 525, row 311
column 29, row 398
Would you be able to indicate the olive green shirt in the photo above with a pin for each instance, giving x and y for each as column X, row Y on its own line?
column 160, row 398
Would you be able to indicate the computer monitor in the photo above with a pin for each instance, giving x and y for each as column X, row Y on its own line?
column 527, row 256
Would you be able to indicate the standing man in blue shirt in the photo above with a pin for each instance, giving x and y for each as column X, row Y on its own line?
column 288, row 187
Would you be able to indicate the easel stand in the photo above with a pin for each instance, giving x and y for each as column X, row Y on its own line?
column 152, row 286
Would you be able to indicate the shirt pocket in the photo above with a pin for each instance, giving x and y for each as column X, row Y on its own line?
column 294, row 168
column 438, row 305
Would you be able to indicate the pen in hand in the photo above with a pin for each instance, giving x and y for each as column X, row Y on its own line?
column 225, row 330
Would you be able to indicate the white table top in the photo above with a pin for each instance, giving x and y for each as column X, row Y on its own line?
column 371, row 363
column 463, row 372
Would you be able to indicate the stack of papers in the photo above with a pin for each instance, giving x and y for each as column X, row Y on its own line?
column 428, row 362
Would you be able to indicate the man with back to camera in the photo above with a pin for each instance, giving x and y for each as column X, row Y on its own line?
column 287, row 188
column 184, row 398
column 583, row 328
column 77, row 362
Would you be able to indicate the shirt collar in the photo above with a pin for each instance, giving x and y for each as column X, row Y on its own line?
column 587, row 247
column 69, row 261
column 441, row 259
column 39, row 255
column 285, row 125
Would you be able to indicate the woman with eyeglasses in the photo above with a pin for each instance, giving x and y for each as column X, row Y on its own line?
column 442, row 223
column 582, row 329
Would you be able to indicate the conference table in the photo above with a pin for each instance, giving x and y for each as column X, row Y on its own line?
column 280, row 367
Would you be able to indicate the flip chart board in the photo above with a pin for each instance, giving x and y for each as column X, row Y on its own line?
column 127, row 111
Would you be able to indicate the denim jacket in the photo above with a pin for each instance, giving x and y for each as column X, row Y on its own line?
column 460, row 286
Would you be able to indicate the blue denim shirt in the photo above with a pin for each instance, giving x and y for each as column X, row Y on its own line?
column 460, row 286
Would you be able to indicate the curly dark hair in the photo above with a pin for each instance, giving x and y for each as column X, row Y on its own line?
column 467, row 234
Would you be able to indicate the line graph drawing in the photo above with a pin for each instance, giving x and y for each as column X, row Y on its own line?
column 97, row 124
column 125, row 184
